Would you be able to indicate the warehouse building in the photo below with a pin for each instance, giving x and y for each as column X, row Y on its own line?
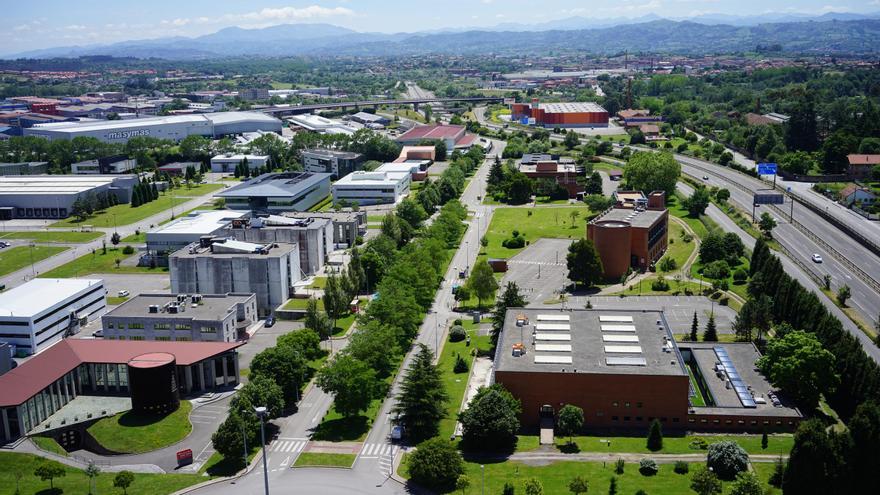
column 39, row 313
column 453, row 136
column 631, row 235
column 24, row 168
column 371, row 120
column 624, row 369
column 33, row 395
column 334, row 162
column 174, row 127
column 371, row 188
column 313, row 235
column 117, row 164
column 52, row 196
column 226, row 163
column 574, row 114
column 182, row 317
column 222, row 266
column 319, row 124
column 277, row 192
column 189, row 229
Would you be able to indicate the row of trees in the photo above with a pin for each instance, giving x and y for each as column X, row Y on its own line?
column 84, row 206
column 144, row 192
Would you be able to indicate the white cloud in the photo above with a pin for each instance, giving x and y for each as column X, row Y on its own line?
column 22, row 27
column 266, row 16
column 75, row 27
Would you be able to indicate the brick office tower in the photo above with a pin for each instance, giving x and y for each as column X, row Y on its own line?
column 631, row 234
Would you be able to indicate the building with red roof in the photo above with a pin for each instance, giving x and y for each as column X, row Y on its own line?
column 860, row 166
column 454, row 136
column 43, row 384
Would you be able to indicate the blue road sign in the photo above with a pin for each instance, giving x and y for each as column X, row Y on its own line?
column 524, row 121
column 766, row 169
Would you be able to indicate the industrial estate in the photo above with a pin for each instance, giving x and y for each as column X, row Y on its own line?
column 305, row 259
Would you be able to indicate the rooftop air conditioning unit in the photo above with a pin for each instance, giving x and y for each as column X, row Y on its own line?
column 172, row 309
column 153, row 308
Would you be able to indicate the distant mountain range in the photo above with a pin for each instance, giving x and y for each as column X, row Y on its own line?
column 829, row 33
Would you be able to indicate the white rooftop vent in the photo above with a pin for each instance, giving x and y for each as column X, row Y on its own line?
column 632, row 339
column 553, row 318
column 553, row 347
column 619, row 328
column 615, row 318
column 552, row 326
column 548, row 359
column 623, row 349
column 562, row 337
column 625, row 361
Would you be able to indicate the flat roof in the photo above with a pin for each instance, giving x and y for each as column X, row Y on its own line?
column 351, row 155
column 238, row 158
column 639, row 219
column 371, row 179
column 571, row 107
column 743, row 356
column 199, row 222
column 581, row 340
column 282, row 184
column 208, row 118
column 34, row 297
column 282, row 249
column 54, row 184
column 432, row 131
column 211, row 307
column 37, row 373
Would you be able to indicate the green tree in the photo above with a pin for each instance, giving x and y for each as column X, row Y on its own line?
column 439, row 149
column 336, row 300
column 353, row 383
column 259, row 391
column 695, row 326
column 570, row 421
column 284, row 365
column 711, row 333
column 571, row 140
column 115, row 238
column 411, row 212
column 435, row 464
column 92, row 471
column 578, row 485
column 726, row 459
column 583, row 262
column 508, row 489
column 422, row 400
column 647, row 171
column 229, row 438
column 492, row 418
column 697, row 203
column 746, row 483
column 704, row 482
column 533, row 487
column 123, row 479
column 800, row 130
column 462, row 483
column 835, row 150
column 511, row 297
column 800, row 365
column 482, row 281
column 519, row 188
column 48, row 471
column 864, row 429
column 496, row 173
column 814, row 461
column 778, row 473
column 655, row 436
column 766, row 223
column 843, row 294
column 612, row 486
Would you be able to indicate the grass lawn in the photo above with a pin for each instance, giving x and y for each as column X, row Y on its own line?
column 343, row 324
column 678, row 249
column 375, row 218
column 697, row 400
column 135, row 238
column 764, row 470
column 543, row 222
column 739, row 289
column 456, row 383
column 99, row 263
column 335, row 428
column 125, row 214
column 318, row 283
column 49, row 444
column 301, row 304
column 76, row 482
column 778, row 444
column 308, row 459
column 217, row 465
column 129, row 432
column 53, row 236
column 115, row 300
column 15, row 258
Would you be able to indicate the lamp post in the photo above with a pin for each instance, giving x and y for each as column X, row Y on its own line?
column 482, row 479
column 262, row 412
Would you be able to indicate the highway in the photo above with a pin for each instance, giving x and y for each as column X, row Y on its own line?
column 282, row 110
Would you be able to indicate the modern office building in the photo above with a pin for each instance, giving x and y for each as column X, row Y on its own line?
column 278, row 192
column 576, row 114
column 631, row 237
column 226, row 163
column 6, row 361
column 186, row 230
column 545, row 166
column 313, row 235
column 371, row 188
column 40, row 388
column 24, row 168
column 52, row 196
column 334, row 162
column 182, row 317
column 348, row 224
column 118, row 164
column 174, row 127
column 223, row 266
column 39, row 313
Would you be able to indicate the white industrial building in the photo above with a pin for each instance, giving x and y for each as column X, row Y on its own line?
column 225, row 164
column 321, row 125
column 189, row 229
column 277, row 192
column 35, row 315
column 118, row 164
column 173, row 127
column 335, row 162
column 53, row 196
column 370, row 188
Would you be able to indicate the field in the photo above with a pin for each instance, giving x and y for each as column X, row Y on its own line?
column 98, row 262
column 15, row 258
column 307, row 459
column 129, row 432
column 533, row 224
column 778, row 444
column 125, row 214
column 76, row 482
column 53, row 236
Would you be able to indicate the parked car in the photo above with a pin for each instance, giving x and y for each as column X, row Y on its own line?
column 270, row 321
column 123, row 293
column 4, row 244
column 817, row 258
column 98, row 333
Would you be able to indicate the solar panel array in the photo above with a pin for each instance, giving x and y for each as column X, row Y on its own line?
column 741, row 389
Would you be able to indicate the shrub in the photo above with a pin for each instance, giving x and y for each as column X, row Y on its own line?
column 681, row 467
column 460, row 366
column 642, row 492
column 740, row 275
column 128, row 250
column 457, row 333
column 667, row 264
column 727, row 459
column 698, row 444
column 660, row 284
column 648, row 467
column 724, row 301
column 618, row 466
column 457, row 321
column 435, row 464
column 717, row 270
column 515, row 242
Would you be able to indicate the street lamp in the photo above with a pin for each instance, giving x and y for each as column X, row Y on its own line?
column 262, row 412
column 482, row 479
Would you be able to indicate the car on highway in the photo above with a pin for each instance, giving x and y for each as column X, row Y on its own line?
column 817, row 258
column 3, row 244
column 705, row 177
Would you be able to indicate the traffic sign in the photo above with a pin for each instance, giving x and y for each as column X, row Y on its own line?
column 766, row 169
column 185, row 457
column 768, row 199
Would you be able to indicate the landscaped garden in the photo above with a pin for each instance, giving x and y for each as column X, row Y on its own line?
column 532, row 224
column 134, row 433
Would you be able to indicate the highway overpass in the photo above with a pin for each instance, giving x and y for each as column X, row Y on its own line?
column 283, row 110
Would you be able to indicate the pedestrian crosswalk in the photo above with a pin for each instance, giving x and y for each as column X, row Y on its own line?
column 288, row 445
column 378, row 449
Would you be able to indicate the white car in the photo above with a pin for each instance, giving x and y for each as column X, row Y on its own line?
column 817, row 258
column 123, row 293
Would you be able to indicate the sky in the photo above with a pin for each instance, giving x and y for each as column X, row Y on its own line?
column 49, row 23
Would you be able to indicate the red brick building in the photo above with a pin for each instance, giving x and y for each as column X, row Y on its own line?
column 575, row 114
